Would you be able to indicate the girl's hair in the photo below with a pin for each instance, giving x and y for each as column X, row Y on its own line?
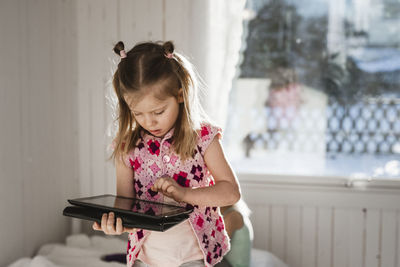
column 157, row 66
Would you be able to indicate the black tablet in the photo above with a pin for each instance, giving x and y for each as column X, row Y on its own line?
column 134, row 212
column 131, row 206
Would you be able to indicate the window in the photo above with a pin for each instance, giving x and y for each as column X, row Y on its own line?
column 318, row 89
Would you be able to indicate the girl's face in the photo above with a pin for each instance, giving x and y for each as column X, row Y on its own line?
column 155, row 115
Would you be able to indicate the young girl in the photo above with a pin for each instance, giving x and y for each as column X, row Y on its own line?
column 165, row 151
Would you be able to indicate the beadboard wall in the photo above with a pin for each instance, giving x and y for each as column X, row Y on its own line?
column 38, row 122
column 327, row 221
column 56, row 62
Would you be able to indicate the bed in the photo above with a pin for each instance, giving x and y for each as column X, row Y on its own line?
column 80, row 250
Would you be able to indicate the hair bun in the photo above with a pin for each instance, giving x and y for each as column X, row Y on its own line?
column 168, row 47
column 119, row 47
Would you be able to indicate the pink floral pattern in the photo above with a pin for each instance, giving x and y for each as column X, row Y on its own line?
column 154, row 147
column 207, row 222
column 136, row 164
column 154, row 168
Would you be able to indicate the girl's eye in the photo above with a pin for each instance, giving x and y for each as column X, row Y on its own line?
column 159, row 113
column 136, row 114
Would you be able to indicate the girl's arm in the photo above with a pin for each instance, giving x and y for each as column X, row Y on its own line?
column 125, row 179
column 225, row 192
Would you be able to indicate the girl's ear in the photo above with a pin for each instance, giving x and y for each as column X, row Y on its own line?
column 180, row 95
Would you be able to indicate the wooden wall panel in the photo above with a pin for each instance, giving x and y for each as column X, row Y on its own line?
column 84, row 52
column 177, row 11
column 39, row 164
column 340, row 238
column 356, row 225
column 321, row 228
column 140, row 21
column 278, row 233
column 373, row 241
column 325, row 221
column 11, row 147
column 309, row 236
column 293, row 236
column 261, row 221
column 40, row 135
column 389, row 238
column 110, row 37
column 397, row 247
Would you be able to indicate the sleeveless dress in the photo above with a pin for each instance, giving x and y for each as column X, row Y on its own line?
column 152, row 158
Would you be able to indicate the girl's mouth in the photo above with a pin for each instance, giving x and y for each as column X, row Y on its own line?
column 155, row 132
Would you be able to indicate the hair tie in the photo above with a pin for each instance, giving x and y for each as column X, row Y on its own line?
column 122, row 54
column 169, row 55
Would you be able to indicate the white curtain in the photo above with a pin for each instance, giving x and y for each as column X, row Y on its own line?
column 216, row 33
column 336, row 35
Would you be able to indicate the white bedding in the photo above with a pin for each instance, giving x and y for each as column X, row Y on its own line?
column 78, row 250
column 83, row 251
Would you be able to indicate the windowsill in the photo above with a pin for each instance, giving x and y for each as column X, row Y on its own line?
column 315, row 181
column 350, row 171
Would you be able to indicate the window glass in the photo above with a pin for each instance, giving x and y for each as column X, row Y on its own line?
column 318, row 89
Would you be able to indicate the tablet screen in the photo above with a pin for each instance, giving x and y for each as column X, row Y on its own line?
column 130, row 205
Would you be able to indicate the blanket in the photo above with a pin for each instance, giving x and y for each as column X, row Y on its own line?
column 81, row 250
column 78, row 250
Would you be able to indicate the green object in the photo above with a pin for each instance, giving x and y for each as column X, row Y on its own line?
column 241, row 243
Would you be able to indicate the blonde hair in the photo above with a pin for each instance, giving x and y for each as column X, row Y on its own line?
column 145, row 65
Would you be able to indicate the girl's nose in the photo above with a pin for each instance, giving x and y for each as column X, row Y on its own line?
column 150, row 121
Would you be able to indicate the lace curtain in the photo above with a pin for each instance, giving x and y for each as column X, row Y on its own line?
column 216, row 33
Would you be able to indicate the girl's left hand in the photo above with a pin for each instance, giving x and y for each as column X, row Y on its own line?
column 170, row 188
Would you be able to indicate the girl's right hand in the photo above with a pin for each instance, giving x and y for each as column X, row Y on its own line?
column 108, row 225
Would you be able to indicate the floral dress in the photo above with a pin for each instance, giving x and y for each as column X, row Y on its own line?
column 152, row 158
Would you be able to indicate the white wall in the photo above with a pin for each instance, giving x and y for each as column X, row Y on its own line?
column 329, row 221
column 38, row 122
column 56, row 59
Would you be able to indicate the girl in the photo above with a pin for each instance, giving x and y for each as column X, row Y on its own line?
column 166, row 151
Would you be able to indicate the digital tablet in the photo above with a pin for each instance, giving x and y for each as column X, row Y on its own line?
column 134, row 206
column 134, row 212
